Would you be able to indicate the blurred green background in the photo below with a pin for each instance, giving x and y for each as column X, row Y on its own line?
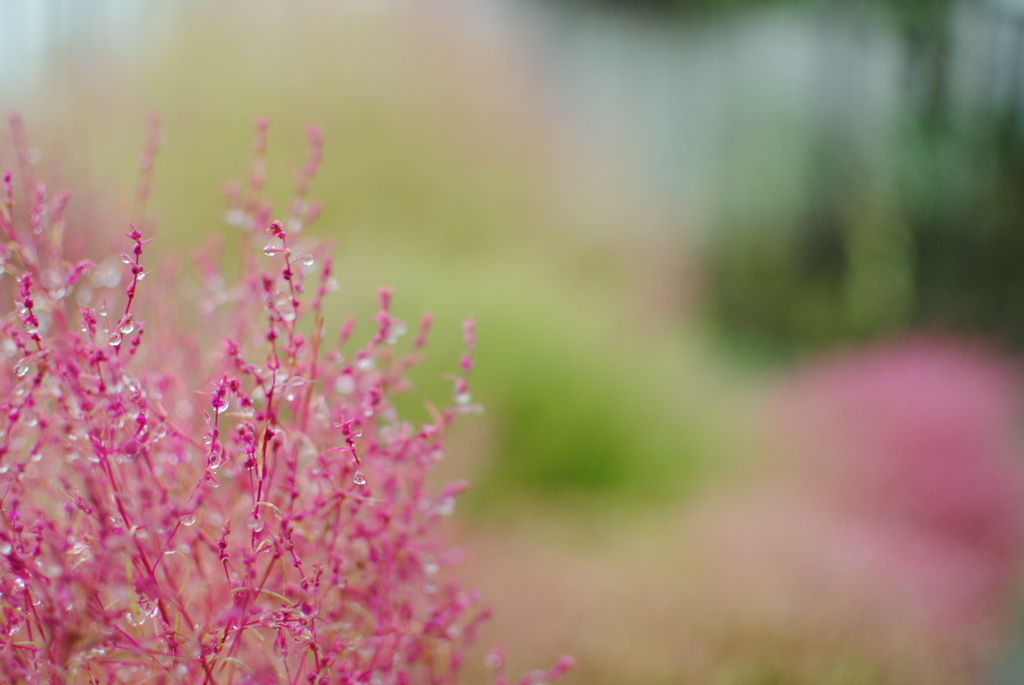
column 651, row 208
column 443, row 177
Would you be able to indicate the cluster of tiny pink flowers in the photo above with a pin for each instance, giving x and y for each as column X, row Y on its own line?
column 226, row 503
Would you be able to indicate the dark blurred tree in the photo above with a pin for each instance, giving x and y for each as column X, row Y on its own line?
column 937, row 240
column 925, row 25
column 969, row 227
column 940, row 244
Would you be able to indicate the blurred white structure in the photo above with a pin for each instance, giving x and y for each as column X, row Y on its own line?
column 714, row 117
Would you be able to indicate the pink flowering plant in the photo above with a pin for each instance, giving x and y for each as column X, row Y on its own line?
column 228, row 501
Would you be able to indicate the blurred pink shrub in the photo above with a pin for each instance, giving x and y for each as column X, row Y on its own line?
column 921, row 437
column 231, row 500
column 889, row 546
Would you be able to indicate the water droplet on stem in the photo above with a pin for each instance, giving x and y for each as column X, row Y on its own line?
column 256, row 522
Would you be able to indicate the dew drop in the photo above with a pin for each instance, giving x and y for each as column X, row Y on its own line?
column 235, row 217
column 215, row 283
column 359, row 478
column 223, row 407
column 248, row 411
column 128, row 325
column 126, row 259
column 309, row 260
column 271, row 250
column 80, row 550
column 332, row 284
column 462, row 398
column 115, row 338
column 446, row 507
column 345, row 384
column 493, row 661
column 398, row 329
column 188, row 518
column 256, row 522
column 183, row 409
column 21, row 368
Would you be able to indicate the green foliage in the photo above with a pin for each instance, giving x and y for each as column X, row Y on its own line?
column 940, row 247
column 575, row 414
